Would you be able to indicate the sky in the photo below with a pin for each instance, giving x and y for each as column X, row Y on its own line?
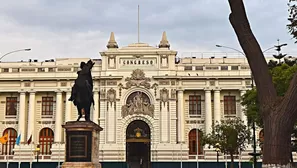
column 81, row 28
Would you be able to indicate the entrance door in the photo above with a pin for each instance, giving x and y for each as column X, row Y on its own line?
column 138, row 145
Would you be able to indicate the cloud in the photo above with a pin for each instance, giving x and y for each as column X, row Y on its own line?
column 80, row 28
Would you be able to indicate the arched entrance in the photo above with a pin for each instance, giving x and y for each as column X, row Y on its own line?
column 138, row 144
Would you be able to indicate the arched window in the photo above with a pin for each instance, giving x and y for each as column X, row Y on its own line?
column 7, row 149
column 46, row 139
column 193, row 142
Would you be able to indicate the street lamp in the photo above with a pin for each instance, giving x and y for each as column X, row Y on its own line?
column 37, row 151
column 26, row 49
column 217, row 150
column 278, row 49
column 221, row 46
column 276, row 46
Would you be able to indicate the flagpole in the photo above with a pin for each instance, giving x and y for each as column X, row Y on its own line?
column 19, row 156
column 226, row 160
column 197, row 143
column 32, row 155
column 239, row 164
column 59, row 155
column 181, row 156
column 7, row 152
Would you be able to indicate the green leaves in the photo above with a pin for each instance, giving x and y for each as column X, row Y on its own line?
column 231, row 135
column 251, row 110
column 282, row 75
column 292, row 26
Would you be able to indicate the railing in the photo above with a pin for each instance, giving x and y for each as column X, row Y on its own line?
column 220, row 54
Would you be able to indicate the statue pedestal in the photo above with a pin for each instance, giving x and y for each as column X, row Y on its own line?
column 82, row 145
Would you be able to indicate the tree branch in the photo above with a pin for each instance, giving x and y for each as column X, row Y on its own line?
column 239, row 21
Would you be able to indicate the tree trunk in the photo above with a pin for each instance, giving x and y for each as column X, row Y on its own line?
column 279, row 115
column 277, row 143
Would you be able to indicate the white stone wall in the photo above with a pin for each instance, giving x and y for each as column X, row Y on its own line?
column 169, row 128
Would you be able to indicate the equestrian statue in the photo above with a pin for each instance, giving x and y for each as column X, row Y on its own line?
column 82, row 90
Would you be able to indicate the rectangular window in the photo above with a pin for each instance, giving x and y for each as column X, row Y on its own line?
column 224, row 68
column 5, row 69
column 244, row 67
column 199, row 68
column 11, row 106
column 15, row 70
column 188, row 68
column 28, row 69
column 41, row 70
column 230, row 105
column 212, row 68
column 194, row 105
column 234, row 67
column 51, row 69
column 64, row 69
column 47, row 106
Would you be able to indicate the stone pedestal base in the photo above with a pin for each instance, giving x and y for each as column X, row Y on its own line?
column 81, row 165
column 82, row 145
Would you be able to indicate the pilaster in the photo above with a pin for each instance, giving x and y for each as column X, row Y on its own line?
column 217, row 106
column 96, row 107
column 31, row 117
column 68, row 115
column 208, row 114
column 58, row 117
column 181, row 116
column 22, row 116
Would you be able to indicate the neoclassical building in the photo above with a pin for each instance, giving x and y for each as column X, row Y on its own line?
column 150, row 104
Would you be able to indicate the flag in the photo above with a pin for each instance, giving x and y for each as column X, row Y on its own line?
column 4, row 138
column 29, row 140
column 18, row 140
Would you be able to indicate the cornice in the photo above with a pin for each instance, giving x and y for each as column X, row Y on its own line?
column 201, row 77
column 131, row 52
column 110, row 77
column 29, row 79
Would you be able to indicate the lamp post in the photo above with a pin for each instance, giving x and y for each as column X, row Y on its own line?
column 217, row 150
column 254, row 154
column 26, row 49
column 277, row 48
column 221, row 46
column 37, row 151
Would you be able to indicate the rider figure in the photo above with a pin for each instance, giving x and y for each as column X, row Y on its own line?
column 82, row 91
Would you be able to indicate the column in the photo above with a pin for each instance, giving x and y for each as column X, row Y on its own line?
column 208, row 117
column 96, row 107
column 217, row 106
column 22, row 116
column 68, row 107
column 58, row 118
column 242, row 116
column 181, row 118
column 31, row 117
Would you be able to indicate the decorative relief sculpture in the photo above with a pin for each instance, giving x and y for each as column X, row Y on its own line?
column 164, row 95
column 173, row 93
column 138, row 103
column 137, row 79
column 155, row 87
column 103, row 93
column 120, row 89
column 111, row 95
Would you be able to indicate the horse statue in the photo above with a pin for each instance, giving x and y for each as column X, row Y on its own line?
column 82, row 90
